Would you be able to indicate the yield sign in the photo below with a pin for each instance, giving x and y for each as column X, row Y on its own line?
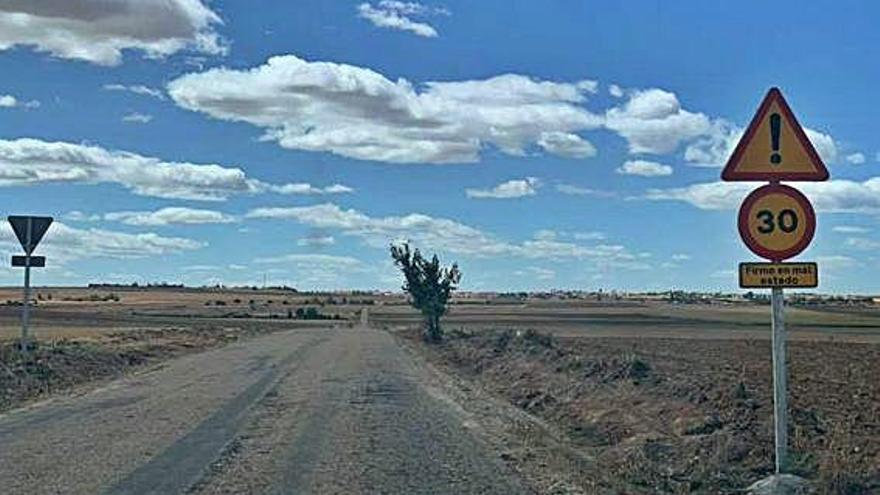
column 774, row 147
column 29, row 230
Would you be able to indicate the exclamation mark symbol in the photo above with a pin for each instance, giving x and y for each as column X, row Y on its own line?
column 775, row 127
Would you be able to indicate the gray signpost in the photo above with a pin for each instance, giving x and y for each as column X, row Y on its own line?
column 780, row 404
column 30, row 231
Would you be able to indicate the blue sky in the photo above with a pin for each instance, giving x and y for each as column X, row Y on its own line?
column 539, row 144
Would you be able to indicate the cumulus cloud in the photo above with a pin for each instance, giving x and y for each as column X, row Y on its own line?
column 169, row 216
column 399, row 15
column 652, row 121
column 138, row 89
column 615, row 91
column 516, row 188
column 137, row 118
column 32, row 161
column 63, row 243
column 98, row 31
column 644, row 168
column 9, row 101
column 566, row 144
column 359, row 113
column 442, row 234
column 856, row 158
column 836, row 196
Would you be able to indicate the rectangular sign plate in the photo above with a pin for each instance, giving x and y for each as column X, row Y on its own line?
column 769, row 275
column 36, row 261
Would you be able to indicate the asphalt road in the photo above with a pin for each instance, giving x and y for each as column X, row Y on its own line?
column 298, row 412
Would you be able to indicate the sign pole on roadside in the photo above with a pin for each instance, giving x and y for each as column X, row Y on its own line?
column 780, row 402
column 776, row 222
column 26, row 302
column 30, row 231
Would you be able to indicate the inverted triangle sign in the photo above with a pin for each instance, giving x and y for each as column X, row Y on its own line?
column 29, row 230
column 774, row 147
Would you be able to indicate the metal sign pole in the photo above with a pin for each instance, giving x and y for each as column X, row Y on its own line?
column 780, row 408
column 26, row 306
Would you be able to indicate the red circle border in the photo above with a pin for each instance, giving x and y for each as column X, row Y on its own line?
column 751, row 243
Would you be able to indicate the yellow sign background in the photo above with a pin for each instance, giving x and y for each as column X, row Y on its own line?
column 756, row 157
column 767, row 275
column 777, row 222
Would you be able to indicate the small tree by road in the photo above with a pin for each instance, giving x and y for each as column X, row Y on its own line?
column 428, row 284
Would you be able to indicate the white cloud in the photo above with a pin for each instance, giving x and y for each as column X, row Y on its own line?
column 566, row 144
column 441, row 234
column 855, row 158
column 138, row 89
column 680, row 257
column 308, row 189
column 589, row 236
column 316, row 241
column 546, row 235
column 78, row 216
column 836, row 196
column 137, row 118
column 32, row 161
column 64, row 243
column 9, row 101
column 824, row 144
column 516, row 188
column 644, row 168
column 398, row 15
column 169, row 216
column 583, row 191
column 714, row 149
column 359, row 113
column 850, row 229
column 652, row 121
column 615, row 91
column 98, row 31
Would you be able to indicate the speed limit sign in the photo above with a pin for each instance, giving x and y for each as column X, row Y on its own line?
column 777, row 222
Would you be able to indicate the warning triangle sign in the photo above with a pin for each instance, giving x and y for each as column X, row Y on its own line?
column 29, row 230
column 774, row 147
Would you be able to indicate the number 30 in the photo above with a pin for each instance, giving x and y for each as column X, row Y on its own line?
column 787, row 221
